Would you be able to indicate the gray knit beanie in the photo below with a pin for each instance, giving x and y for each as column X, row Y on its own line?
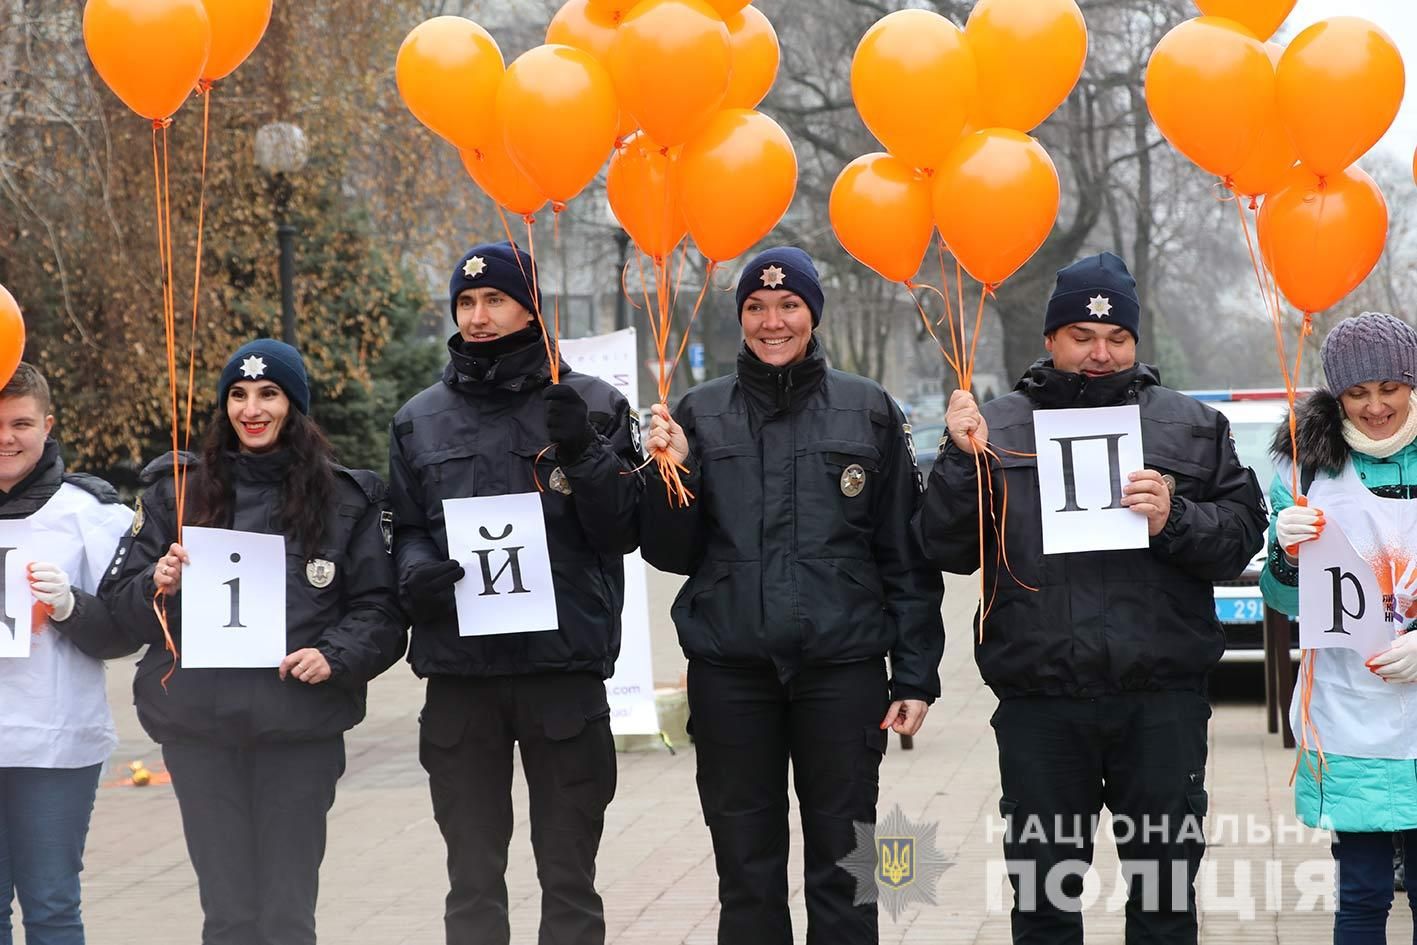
column 1369, row 347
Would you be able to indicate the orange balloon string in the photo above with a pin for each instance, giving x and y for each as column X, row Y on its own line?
column 533, row 288
column 925, row 319
column 204, row 89
column 169, row 319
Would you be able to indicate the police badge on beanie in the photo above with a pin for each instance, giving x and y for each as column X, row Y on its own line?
column 783, row 267
column 1096, row 289
column 266, row 359
column 499, row 266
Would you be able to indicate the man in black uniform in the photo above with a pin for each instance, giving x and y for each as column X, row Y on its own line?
column 495, row 425
column 804, row 576
column 1100, row 672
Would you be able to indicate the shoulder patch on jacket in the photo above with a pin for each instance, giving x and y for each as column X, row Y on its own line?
column 94, row 486
column 163, row 464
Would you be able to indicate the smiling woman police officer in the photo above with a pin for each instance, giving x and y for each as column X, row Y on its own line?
column 255, row 753
column 803, row 577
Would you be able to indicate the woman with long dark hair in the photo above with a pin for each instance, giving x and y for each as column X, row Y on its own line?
column 254, row 754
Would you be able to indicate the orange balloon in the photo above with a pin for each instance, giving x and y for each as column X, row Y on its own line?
column 735, row 182
column 1340, row 85
column 1209, row 85
column 12, row 336
column 640, row 189
column 492, row 169
column 1268, row 165
column 448, row 70
column 727, row 8
column 756, row 56
column 151, row 53
column 996, row 200
column 878, row 188
column 1029, row 55
column 1321, row 238
column 613, row 10
column 579, row 24
column 237, row 28
column 557, row 110
column 671, row 61
column 1261, row 17
column 913, row 80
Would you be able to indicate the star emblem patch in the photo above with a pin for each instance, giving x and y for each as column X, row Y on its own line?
column 474, row 267
column 1099, row 306
column 254, row 367
column 773, row 277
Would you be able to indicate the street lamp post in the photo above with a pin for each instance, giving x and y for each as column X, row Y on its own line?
column 622, row 309
column 281, row 152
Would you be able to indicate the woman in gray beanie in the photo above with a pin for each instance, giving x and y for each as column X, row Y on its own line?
column 1358, row 469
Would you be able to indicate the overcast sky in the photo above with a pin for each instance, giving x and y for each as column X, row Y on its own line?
column 1399, row 19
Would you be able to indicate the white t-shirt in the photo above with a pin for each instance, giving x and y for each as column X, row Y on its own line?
column 53, row 703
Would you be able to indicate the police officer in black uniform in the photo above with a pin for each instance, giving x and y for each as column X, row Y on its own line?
column 803, row 578
column 1101, row 671
column 495, row 425
column 254, row 754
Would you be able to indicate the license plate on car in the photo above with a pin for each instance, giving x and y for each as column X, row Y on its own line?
column 1239, row 609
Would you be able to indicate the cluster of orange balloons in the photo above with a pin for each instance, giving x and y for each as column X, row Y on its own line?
column 154, row 53
column 1286, row 125
column 953, row 108
column 664, row 88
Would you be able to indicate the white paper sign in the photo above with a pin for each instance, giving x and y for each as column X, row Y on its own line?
column 500, row 540
column 233, row 599
column 16, row 621
column 1084, row 458
column 631, row 690
column 1341, row 600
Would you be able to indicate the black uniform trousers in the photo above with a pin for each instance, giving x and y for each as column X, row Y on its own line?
column 561, row 721
column 1142, row 754
column 254, row 818
column 746, row 726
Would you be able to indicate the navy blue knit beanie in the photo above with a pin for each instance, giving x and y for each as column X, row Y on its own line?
column 266, row 359
column 783, row 267
column 500, row 266
column 1095, row 289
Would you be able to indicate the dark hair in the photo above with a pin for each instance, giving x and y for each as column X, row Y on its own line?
column 307, row 489
column 28, row 382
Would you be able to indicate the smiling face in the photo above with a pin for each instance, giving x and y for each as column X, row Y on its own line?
column 1094, row 350
column 1378, row 408
column 488, row 314
column 777, row 326
column 24, row 426
column 257, row 411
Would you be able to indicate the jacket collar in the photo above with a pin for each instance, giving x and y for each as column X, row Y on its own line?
column 771, row 391
column 1318, row 422
column 1051, row 388
column 32, row 492
column 478, row 370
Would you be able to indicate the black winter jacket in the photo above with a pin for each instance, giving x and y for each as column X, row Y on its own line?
column 479, row 432
column 1107, row 621
column 355, row 621
column 789, row 565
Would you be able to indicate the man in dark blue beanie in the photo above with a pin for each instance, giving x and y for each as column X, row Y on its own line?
column 495, row 425
column 1099, row 659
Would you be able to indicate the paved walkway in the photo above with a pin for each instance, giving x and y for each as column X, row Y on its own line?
column 383, row 878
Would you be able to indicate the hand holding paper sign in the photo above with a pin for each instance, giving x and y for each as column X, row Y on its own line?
column 1297, row 524
column 50, row 586
column 1146, row 493
column 1399, row 662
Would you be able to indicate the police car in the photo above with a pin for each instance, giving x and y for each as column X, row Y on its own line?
column 1253, row 416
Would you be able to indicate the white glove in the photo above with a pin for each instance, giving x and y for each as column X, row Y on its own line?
column 50, row 585
column 1399, row 662
column 1297, row 524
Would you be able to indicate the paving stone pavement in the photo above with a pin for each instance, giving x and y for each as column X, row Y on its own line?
column 384, row 879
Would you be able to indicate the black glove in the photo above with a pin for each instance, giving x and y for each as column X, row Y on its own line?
column 567, row 422
column 429, row 589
